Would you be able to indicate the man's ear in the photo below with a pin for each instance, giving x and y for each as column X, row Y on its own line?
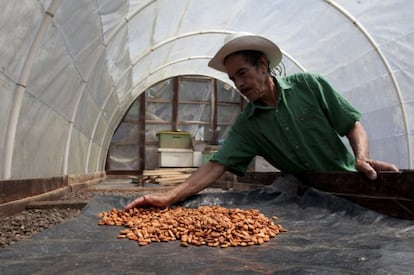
column 264, row 63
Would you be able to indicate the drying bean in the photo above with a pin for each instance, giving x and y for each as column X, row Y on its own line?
column 213, row 226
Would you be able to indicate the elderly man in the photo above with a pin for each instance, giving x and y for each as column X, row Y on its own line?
column 294, row 122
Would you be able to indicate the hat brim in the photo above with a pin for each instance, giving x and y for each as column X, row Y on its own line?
column 246, row 42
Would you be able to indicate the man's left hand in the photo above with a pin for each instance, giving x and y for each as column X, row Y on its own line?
column 370, row 167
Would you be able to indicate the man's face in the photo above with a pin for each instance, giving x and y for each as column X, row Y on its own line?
column 249, row 80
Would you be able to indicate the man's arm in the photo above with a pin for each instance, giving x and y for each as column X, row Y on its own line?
column 200, row 179
column 358, row 140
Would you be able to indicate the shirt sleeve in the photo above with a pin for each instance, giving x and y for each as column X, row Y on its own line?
column 339, row 111
column 236, row 152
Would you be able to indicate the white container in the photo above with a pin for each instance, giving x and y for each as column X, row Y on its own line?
column 173, row 157
column 197, row 159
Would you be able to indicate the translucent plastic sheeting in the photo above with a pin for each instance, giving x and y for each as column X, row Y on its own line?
column 342, row 40
column 326, row 235
column 71, row 69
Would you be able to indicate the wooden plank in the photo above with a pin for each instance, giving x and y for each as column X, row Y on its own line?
column 265, row 178
column 394, row 207
column 16, row 206
column 59, row 204
column 167, row 176
column 392, row 193
column 132, row 189
column 16, row 189
column 399, row 184
column 170, row 182
column 173, row 177
column 167, row 171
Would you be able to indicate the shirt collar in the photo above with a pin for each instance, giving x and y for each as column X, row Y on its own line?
column 281, row 83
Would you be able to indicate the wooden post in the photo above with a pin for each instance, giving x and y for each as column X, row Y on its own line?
column 174, row 103
column 141, row 131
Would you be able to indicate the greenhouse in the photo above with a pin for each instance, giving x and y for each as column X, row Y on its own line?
column 89, row 89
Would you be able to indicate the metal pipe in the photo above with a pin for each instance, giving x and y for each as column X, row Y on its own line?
column 21, row 88
column 387, row 67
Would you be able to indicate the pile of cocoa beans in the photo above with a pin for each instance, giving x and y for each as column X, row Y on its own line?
column 213, row 226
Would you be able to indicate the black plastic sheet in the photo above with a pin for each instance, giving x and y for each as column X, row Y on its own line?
column 326, row 235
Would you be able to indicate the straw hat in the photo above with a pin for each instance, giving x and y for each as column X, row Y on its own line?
column 246, row 41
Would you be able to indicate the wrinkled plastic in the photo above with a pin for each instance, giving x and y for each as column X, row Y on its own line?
column 326, row 235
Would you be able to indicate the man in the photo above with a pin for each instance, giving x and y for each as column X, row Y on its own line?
column 293, row 122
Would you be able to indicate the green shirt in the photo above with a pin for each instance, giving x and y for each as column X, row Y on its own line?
column 302, row 133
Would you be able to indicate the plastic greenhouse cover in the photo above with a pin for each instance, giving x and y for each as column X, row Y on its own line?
column 326, row 235
column 352, row 43
column 92, row 59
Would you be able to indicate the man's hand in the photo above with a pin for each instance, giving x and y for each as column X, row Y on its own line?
column 203, row 177
column 160, row 200
column 370, row 167
column 358, row 139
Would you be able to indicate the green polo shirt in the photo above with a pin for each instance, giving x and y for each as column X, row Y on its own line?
column 302, row 133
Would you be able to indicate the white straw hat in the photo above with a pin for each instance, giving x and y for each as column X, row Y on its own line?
column 246, row 41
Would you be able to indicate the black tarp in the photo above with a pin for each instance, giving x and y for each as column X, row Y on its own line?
column 326, row 235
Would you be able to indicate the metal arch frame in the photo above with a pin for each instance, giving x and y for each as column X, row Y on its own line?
column 198, row 57
column 55, row 4
column 21, row 88
column 387, row 67
column 175, row 38
column 134, row 62
column 151, row 50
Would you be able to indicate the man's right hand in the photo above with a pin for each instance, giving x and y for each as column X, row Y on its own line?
column 203, row 177
column 160, row 200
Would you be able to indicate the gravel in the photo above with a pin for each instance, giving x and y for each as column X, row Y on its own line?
column 29, row 222
column 32, row 221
